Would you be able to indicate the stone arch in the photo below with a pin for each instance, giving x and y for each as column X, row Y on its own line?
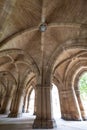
column 73, row 71
column 10, row 87
column 70, row 82
column 27, row 79
column 68, row 45
column 4, row 73
column 28, row 59
column 27, row 98
column 32, row 68
column 71, row 44
column 78, row 74
column 28, row 83
column 76, row 77
column 65, row 92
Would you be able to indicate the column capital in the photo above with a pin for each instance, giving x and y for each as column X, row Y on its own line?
column 21, row 91
column 7, row 96
column 43, row 86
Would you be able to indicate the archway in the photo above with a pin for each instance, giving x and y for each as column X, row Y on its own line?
column 55, row 102
column 31, row 102
column 83, row 89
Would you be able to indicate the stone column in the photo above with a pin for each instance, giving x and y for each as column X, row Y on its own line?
column 17, row 105
column 83, row 114
column 24, row 104
column 5, row 109
column 69, row 105
column 44, row 117
column 1, row 101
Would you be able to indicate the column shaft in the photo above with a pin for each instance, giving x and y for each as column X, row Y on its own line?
column 83, row 114
column 17, row 105
column 44, row 117
column 5, row 109
column 69, row 105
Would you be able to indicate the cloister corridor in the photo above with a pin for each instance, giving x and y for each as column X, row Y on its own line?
column 25, row 122
column 43, row 64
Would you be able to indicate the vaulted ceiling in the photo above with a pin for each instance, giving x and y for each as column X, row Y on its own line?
column 23, row 44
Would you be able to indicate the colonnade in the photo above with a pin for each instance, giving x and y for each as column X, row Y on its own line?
column 70, row 104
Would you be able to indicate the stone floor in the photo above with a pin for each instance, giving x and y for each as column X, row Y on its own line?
column 25, row 123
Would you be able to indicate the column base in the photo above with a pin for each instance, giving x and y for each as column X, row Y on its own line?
column 15, row 115
column 4, row 112
column 84, row 115
column 84, row 118
column 45, row 124
column 34, row 113
column 71, row 117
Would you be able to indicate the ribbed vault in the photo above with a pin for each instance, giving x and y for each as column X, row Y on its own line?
column 37, row 56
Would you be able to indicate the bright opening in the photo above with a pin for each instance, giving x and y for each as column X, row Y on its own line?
column 31, row 102
column 83, row 89
column 55, row 102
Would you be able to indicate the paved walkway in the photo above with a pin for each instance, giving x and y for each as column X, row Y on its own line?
column 25, row 123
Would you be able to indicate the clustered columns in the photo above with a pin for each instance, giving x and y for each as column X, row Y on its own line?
column 69, row 105
column 1, row 100
column 6, row 103
column 83, row 114
column 17, row 103
column 70, row 100
column 5, row 109
column 77, row 91
column 44, row 117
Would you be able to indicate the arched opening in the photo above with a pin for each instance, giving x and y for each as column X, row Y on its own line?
column 28, row 107
column 31, row 102
column 55, row 102
column 83, row 89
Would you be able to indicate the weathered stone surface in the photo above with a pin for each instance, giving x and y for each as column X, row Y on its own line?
column 31, row 57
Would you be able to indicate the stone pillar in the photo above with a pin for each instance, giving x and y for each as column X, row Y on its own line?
column 0, row 102
column 69, row 105
column 24, row 104
column 17, row 105
column 83, row 114
column 5, row 109
column 44, row 117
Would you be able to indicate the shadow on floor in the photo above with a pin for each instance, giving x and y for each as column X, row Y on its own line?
column 26, row 121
